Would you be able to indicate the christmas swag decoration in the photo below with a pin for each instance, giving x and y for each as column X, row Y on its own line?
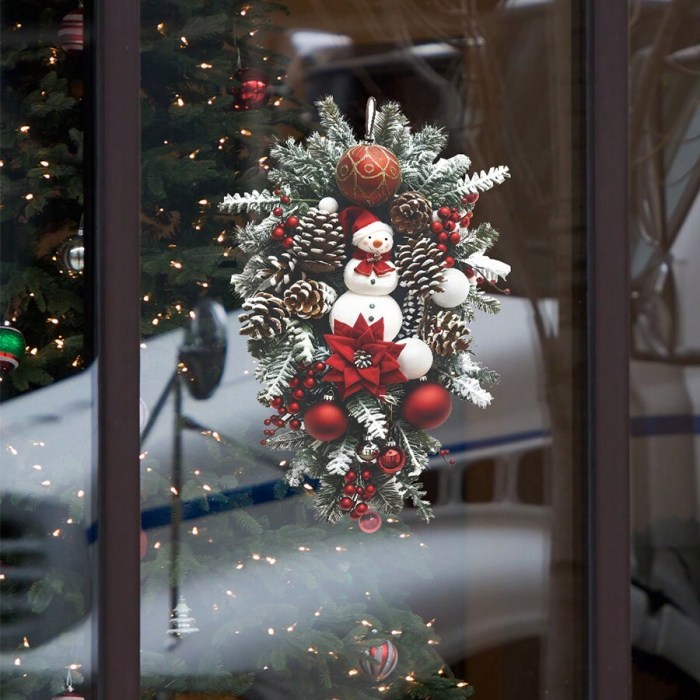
column 363, row 273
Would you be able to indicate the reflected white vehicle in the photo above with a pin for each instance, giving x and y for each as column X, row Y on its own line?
column 503, row 598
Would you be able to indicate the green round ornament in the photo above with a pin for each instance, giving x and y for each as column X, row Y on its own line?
column 12, row 346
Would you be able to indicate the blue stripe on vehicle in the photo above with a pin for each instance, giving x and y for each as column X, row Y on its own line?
column 679, row 424
column 648, row 426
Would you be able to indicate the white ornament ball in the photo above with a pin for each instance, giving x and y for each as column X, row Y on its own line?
column 415, row 359
column 455, row 289
column 350, row 305
column 328, row 204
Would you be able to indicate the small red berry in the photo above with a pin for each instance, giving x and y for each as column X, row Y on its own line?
column 361, row 508
column 294, row 381
column 360, row 490
column 345, row 503
column 455, row 238
column 288, row 242
column 278, row 211
column 355, row 515
column 370, row 490
column 294, row 407
column 450, row 225
column 319, row 366
column 350, row 490
column 442, row 247
column 471, row 198
column 295, row 424
column 298, row 394
column 455, row 216
column 263, row 442
column 291, row 222
column 366, row 474
column 267, row 421
column 350, row 475
column 436, row 226
column 278, row 422
column 282, row 411
column 309, row 382
column 449, row 261
column 276, row 401
column 442, row 238
column 277, row 233
column 444, row 212
column 310, row 373
column 285, row 199
column 276, row 191
column 465, row 221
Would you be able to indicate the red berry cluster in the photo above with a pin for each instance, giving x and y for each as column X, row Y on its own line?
column 284, row 230
column 290, row 406
column 358, row 489
column 445, row 230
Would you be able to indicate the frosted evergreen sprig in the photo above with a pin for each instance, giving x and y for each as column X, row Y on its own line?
column 249, row 202
column 482, row 181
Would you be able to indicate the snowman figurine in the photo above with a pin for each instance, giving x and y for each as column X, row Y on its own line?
column 370, row 276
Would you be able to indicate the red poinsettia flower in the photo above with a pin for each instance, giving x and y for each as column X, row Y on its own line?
column 361, row 359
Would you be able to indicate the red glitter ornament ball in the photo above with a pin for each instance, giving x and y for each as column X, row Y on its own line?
column 70, row 31
column 326, row 421
column 427, row 406
column 252, row 94
column 368, row 174
column 391, row 459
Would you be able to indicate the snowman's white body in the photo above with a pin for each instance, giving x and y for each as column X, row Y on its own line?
column 369, row 294
column 350, row 305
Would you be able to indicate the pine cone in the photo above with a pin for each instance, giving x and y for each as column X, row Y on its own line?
column 266, row 316
column 411, row 213
column 309, row 298
column 420, row 266
column 412, row 310
column 280, row 271
column 319, row 242
column 448, row 335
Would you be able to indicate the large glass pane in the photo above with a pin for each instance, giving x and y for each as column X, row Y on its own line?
column 46, row 356
column 664, row 371
column 246, row 591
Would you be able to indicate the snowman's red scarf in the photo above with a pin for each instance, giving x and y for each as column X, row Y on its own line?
column 372, row 262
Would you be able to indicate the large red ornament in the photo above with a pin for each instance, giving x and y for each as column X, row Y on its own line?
column 380, row 661
column 368, row 174
column 391, row 459
column 361, row 359
column 427, row 406
column 252, row 94
column 325, row 421
column 70, row 31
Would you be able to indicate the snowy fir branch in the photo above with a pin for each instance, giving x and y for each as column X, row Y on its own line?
column 482, row 181
column 368, row 412
column 303, row 340
column 249, row 203
column 416, row 493
column 334, row 123
column 341, row 457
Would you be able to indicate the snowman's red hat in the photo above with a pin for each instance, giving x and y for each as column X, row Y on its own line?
column 357, row 222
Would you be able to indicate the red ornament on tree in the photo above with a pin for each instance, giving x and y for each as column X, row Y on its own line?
column 70, row 31
column 391, row 459
column 380, row 661
column 325, row 421
column 368, row 174
column 427, row 406
column 252, row 94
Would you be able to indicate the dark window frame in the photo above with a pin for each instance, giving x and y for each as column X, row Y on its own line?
column 117, row 192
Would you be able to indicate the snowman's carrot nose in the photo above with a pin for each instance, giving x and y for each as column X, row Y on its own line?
column 377, row 243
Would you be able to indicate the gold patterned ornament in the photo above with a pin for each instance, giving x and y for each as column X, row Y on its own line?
column 368, row 174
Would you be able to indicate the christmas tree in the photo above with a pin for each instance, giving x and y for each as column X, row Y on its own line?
column 212, row 98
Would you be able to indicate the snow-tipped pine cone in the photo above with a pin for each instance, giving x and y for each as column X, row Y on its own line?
column 309, row 299
column 265, row 317
column 448, row 334
column 319, row 242
column 420, row 265
column 411, row 213
column 280, row 271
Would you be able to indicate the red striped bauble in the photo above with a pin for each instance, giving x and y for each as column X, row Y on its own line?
column 380, row 662
column 70, row 31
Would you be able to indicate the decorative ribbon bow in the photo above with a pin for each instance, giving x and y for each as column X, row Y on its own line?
column 373, row 262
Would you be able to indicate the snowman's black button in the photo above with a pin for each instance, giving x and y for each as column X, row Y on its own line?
column 371, row 318
column 373, row 281
column 371, row 306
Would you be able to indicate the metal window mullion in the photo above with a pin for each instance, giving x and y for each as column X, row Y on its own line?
column 608, row 351
column 117, row 206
